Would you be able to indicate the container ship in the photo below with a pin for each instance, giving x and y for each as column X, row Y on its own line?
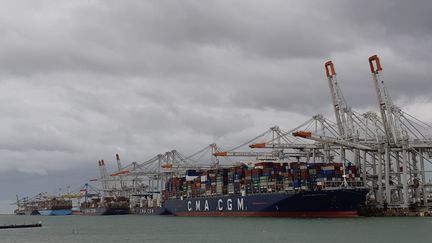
column 147, row 205
column 26, row 210
column 105, row 206
column 268, row 188
column 55, row 206
column 26, row 206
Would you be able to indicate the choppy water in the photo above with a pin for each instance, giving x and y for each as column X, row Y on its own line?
column 135, row 228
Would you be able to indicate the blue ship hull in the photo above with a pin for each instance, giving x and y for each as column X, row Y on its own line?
column 328, row 203
column 56, row 212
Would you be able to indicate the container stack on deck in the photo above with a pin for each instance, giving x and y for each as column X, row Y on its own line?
column 264, row 177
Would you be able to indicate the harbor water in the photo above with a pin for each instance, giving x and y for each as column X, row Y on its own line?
column 136, row 228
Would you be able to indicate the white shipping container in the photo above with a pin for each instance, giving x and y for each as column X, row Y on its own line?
column 331, row 167
column 190, row 178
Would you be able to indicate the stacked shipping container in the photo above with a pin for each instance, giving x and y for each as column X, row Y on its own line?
column 263, row 177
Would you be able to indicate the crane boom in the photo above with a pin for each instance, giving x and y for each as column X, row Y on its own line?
column 103, row 174
column 286, row 146
column 242, row 154
column 259, row 154
column 324, row 139
column 118, row 162
column 343, row 113
column 390, row 114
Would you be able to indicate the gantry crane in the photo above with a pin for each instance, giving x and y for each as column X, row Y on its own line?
column 343, row 112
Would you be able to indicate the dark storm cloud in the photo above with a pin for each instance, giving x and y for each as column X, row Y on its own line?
column 82, row 80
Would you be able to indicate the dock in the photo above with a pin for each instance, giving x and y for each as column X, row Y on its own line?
column 17, row 226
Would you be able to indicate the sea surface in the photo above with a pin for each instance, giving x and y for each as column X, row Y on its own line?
column 138, row 228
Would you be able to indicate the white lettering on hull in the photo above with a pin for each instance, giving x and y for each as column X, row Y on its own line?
column 206, row 206
column 228, row 204
column 189, row 206
column 197, row 205
column 240, row 204
column 220, row 207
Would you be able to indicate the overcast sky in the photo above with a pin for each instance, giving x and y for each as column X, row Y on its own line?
column 82, row 80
